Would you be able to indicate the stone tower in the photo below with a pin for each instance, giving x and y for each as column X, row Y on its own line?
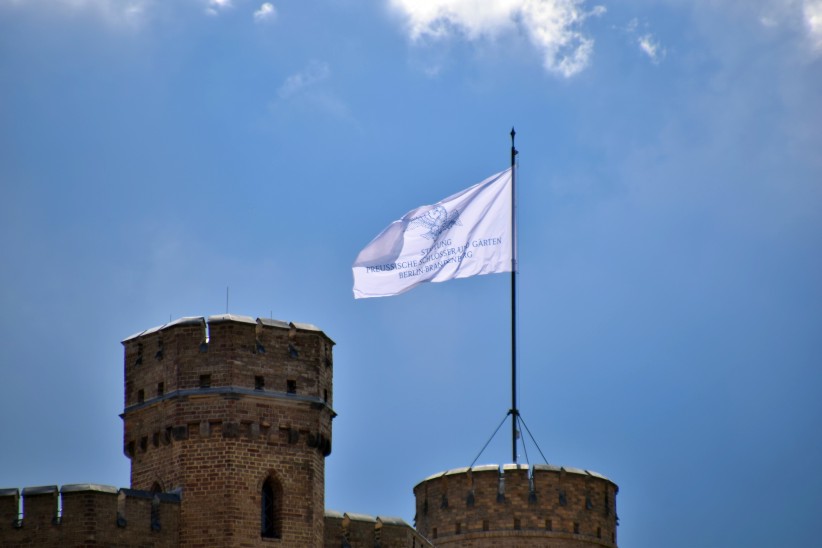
column 234, row 414
column 516, row 507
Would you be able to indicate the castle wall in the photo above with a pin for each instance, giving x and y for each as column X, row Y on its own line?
column 517, row 506
column 88, row 515
column 362, row 531
column 239, row 403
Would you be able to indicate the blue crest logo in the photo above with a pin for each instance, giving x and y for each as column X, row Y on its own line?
column 435, row 221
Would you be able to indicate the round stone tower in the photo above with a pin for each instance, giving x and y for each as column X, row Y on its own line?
column 514, row 506
column 234, row 414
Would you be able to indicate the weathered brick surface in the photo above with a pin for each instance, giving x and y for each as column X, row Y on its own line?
column 94, row 516
column 362, row 531
column 517, row 507
column 264, row 413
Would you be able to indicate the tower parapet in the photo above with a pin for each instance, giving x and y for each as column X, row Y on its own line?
column 514, row 505
column 236, row 413
column 86, row 515
column 361, row 530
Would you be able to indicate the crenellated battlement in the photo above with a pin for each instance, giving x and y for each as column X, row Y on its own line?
column 349, row 529
column 234, row 412
column 226, row 357
column 192, row 353
column 86, row 514
column 527, row 506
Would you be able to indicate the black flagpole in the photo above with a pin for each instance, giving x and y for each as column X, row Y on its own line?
column 514, row 411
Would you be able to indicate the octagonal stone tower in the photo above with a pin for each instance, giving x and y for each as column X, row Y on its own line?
column 235, row 415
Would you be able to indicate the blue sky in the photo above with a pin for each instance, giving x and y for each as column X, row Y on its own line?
column 153, row 154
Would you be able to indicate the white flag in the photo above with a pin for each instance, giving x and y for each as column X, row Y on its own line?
column 467, row 234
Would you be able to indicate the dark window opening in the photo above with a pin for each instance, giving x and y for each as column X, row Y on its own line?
column 434, row 532
column 576, row 528
column 161, row 389
column 563, row 500
column 599, row 532
column 485, row 525
column 144, row 443
column 549, row 525
column 205, row 381
column 141, row 396
column 291, row 386
column 271, row 506
column 458, row 528
column 155, row 513
column 517, row 524
column 325, row 394
column 259, row 382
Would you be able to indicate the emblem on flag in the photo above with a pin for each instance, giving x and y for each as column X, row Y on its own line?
column 467, row 234
column 435, row 221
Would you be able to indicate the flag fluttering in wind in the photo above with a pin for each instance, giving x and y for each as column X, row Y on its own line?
column 467, row 234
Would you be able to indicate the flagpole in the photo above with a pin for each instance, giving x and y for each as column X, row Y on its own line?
column 514, row 411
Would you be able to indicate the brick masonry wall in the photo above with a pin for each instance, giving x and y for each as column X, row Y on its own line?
column 363, row 531
column 92, row 515
column 546, row 506
column 264, row 412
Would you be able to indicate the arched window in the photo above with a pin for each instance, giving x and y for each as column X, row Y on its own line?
column 271, row 506
column 156, row 489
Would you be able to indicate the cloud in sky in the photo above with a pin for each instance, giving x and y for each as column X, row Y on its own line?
column 313, row 73
column 651, row 48
column 266, row 12
column 647, row 42
column 804, row 16
column 552, row 26
column 127, row 13
column 216, row 6
column 813, row 19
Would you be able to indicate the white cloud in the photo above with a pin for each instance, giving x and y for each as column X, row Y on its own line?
column 315, row 72
column 794, row 15
column 813, row 19
column 265, row 12
column 129, row 13
column 647, row 43
column 651, row 48
column 216, row 6
column 552, row 26
column 302, row 91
